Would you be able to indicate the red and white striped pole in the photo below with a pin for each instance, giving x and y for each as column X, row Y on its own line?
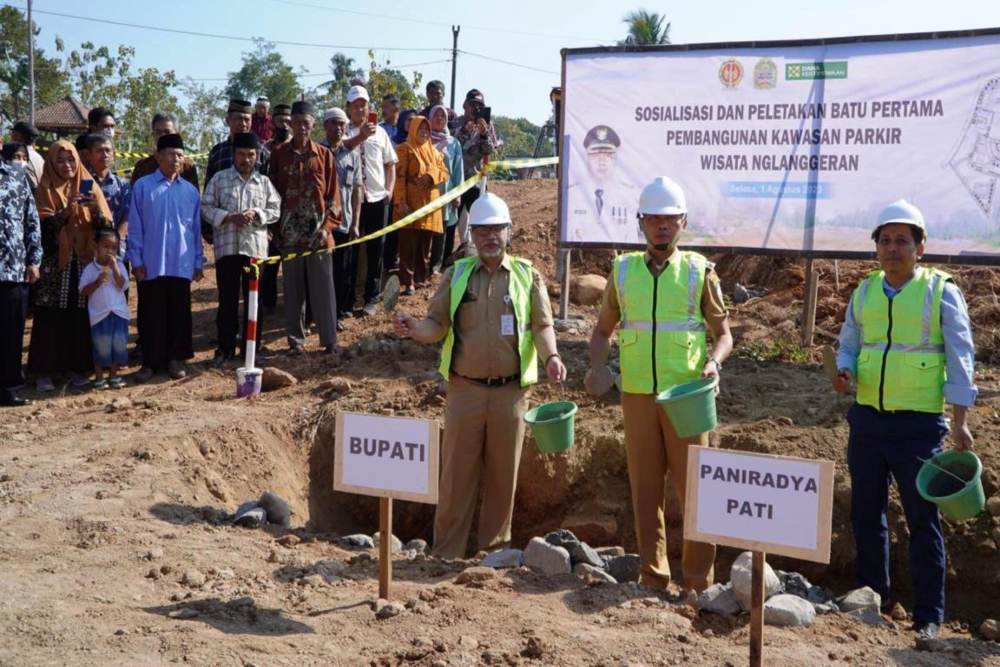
column 248, row 378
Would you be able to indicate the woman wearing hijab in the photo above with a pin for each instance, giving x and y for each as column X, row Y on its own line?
column 69, row 208
column 419, row 172
column 451, row 151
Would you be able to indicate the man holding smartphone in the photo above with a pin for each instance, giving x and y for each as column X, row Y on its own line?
column 479, row 140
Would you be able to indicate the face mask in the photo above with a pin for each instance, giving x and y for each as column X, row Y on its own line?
column 108, row 132
column 17, row 164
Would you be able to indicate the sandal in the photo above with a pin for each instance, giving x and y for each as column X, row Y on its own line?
column 116, row 382
column 100, row 384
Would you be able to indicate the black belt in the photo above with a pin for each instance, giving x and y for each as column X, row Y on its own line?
column 491, row 382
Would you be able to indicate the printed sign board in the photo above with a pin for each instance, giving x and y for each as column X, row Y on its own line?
column 776, row 504
column 790, row 147
column 390, row 457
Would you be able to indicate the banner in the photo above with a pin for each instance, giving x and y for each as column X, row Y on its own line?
column 791, row 148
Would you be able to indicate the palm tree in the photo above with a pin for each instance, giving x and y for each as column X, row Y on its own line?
column 646, row 29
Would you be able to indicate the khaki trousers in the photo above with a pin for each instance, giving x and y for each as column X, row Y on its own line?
column 653, row 448
column 483, row 434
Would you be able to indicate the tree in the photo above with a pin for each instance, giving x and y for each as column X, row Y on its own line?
column 520, row 136
column 381, row 80
column 646, row 29
column 201, row 121
column 264, row 73
column 50, row 81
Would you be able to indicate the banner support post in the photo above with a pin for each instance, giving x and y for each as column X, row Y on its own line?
column 564, row 257
column 384, row 547
column 757, row 610
column 809, row 304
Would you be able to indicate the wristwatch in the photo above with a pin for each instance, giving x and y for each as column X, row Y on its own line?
column 718, row 364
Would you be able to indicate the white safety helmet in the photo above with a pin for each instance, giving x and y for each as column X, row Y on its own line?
column 662, row 197
column 489, row 210
column 901, row 212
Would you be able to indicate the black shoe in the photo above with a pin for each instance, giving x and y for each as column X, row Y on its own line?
column 928, row 630
column 9, row 399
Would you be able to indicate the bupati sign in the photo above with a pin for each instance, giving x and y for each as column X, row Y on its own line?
column 777, row 504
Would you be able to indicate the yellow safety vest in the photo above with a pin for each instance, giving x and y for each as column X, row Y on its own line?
column 901, row 365
column 519, row 282
column 662, row 336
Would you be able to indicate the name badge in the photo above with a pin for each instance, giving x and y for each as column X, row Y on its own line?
column 506, row 325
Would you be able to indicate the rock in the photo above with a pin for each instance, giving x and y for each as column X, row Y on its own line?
column 418, row 545
column 330, row 568
column 591, row 573
column 993, row 506
column 153, row 573
column 610, row 551
column 740, row 294
column 860, row 598
column 898, row 613
column 719, row 599
column 546, row 557
column 289, row 540
column 624, row 568
column 741, row 574
column 193, row 578
column 468, row 643
column 795, row 584
column 990, row 629
column 274, row 378
column 562, row 538
column 154, row 553
column 276, row 508
column 788, row 610
column 588, row 289
column 315, row 580
column 869, row 615
column 826, row 608
column 340, row 385
column 475, row 575
column 359, row 541
column 584, row 553
column 533, row 649
column 385, row 609
column 502, row 558
column 118, row 404
column 986, row 546
column 395, row 547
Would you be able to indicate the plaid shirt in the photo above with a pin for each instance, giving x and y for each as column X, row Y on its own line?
column 228, row 192
column 221, row 157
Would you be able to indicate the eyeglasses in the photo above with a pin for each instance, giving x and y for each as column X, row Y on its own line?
column 489, row 230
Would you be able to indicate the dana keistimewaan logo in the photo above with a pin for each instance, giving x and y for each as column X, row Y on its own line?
column 731, row 73
column 829, row 69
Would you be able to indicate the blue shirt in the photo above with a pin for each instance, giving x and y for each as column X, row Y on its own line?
column 390, row 129
column 164, row 227
column 118, row 193
column 959, row 350
column 20, row 233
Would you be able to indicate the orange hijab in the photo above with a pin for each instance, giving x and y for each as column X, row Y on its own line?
column 424, row 151
column 55, row 193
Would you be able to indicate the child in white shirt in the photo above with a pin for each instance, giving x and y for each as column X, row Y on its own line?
column 104, row 282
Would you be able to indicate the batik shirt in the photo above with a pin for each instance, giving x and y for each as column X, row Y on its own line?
column 20, row 232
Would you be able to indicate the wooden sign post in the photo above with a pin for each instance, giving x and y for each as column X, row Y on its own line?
column 763, row 503
column 388, row 457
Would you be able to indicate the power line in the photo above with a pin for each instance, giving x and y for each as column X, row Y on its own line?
column 508, row 62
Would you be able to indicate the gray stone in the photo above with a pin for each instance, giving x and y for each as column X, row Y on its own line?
column 610, row 552
column 740, row 294
column 826, row 607
column 719, row 599
column 193, row 578
column 584, row 553
column 502, row 558
column 788, row 610
column 860, row 598
column 331, row 569
column 591, row 573
column 625, row 568
column 562, row 538
column 548, row 558
column 990, row 629
column 741, row 575
column 358, row 541
column 794, row 584
column 385, row 609
column 397, row 544
column 869, row 615
column 418, row 545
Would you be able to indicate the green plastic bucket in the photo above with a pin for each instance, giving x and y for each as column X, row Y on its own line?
column 956, row 501
column 690, row 406
column 552, row 425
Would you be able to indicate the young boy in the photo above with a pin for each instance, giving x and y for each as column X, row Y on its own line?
column 103, row 282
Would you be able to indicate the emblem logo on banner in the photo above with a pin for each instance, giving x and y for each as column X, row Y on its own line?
column 731, row 73
column 817, row 70
column 765, row 74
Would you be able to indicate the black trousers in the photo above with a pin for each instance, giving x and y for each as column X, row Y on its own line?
column 269, row 281
column 165, row 327
column 234, row 281
column 13, row 311
column 442, row 246
column 345, row 268
column 373, row 218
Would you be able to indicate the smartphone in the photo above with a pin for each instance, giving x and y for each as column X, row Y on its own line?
column 373, row 117
column 484, row 113
column 86, row 186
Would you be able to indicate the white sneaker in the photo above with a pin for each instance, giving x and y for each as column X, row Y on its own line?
column 44, row 384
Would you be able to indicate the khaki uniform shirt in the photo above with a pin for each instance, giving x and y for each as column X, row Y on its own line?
column 713, row 308
column 481, row 351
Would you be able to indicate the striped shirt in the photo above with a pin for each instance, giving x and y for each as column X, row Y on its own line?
column 228, row 192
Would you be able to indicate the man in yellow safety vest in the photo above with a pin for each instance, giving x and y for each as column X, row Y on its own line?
column 907, row 340
column 494, row 315
column 665, row 300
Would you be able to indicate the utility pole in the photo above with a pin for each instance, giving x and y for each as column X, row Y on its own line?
column 31, row 68
column 454, row 59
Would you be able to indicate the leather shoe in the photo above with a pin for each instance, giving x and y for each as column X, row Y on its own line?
column 929, row 630
column 9, row 399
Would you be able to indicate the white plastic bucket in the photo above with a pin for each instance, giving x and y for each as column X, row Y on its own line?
column 248, row 382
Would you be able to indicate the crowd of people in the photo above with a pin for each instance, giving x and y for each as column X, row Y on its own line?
column 73, row 230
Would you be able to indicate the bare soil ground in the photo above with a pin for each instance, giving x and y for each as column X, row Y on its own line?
column 114, row 550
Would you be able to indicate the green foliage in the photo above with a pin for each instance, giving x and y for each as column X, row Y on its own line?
column 646, row 28
column 201, row 122
column 264, row 73
column 50, row 81
column 781, row 349
column 520, row 137
column 380, row 80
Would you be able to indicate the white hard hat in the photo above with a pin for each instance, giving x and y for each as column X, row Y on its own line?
column 357, row 92
column 662, row 197
column 489, row 210
column 901, row 212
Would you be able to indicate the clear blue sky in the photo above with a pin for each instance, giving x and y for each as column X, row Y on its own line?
column 494, row 29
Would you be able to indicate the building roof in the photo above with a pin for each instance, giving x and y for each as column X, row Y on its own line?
column 68, row 114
